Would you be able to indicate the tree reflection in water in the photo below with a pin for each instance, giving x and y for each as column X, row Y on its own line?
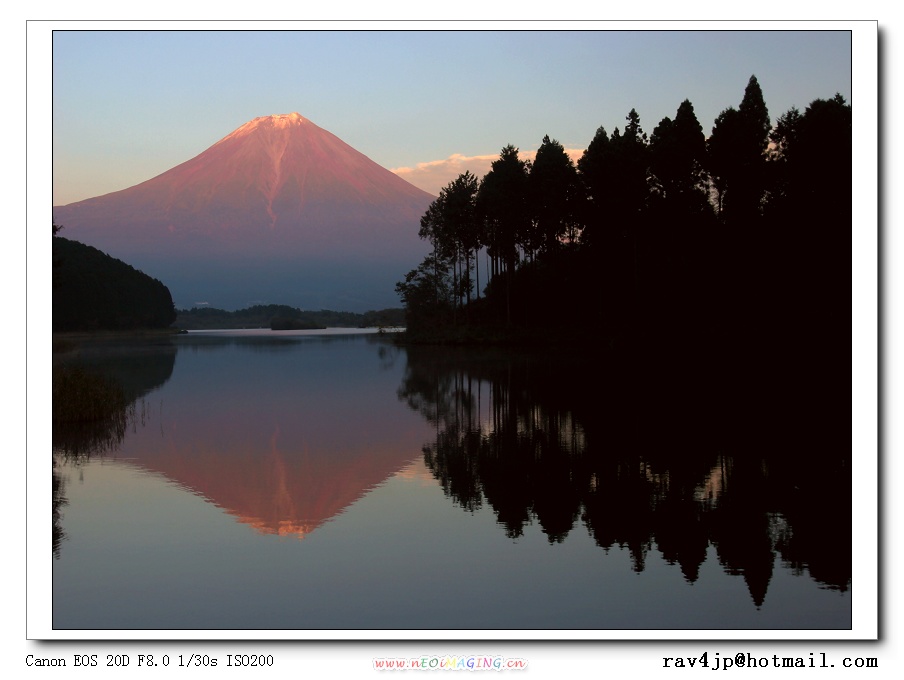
column 118, row 373
column 666, row 458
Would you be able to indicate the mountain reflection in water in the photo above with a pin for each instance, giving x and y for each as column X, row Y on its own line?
column 283, row 453
column 571, row 469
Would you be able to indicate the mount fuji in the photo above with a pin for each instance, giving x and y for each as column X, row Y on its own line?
column 278, row 211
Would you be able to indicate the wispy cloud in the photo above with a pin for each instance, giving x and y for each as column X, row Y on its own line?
column 431, row 176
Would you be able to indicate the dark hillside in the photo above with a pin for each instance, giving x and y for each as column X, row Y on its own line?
column 93, row 291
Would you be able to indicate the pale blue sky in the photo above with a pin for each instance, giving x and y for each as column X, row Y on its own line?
column 128, row 105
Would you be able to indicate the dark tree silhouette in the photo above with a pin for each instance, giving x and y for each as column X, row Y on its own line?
column 808, row 209
column 502, row 203
column 677, row 249
column 427, row 293
column 737, row 157
column 737, row 153
column 613, row 171
column 677, row 155
column 629, row 185
column 461, row 227
column 671, row 238
column 624, row 198
column 595, row 170
column 552, row 194
column 808, row 214
column 451, row 225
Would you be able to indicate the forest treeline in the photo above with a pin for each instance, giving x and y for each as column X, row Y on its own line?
column 93, row 291
column 284, row 317
column 654, row 236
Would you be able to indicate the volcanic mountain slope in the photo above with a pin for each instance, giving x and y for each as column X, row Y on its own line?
column 279, row 210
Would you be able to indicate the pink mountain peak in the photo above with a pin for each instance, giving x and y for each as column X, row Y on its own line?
column 277, row 189
column 275, row 121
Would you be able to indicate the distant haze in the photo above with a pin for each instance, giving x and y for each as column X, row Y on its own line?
column 278, row 211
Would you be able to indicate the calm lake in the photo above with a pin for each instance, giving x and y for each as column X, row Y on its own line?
column 334, row 481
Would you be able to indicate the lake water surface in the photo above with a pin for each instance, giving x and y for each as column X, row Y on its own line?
column 333, row 481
